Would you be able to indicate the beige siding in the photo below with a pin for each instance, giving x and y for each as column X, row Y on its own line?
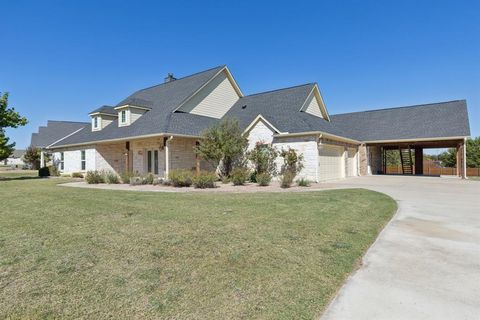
column 313, row 107
column 135, row 114
column 214, row 100
column 106, row 120
column 261, row 132
column 72, row 159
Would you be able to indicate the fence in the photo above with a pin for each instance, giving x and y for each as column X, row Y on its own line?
column 435, row 171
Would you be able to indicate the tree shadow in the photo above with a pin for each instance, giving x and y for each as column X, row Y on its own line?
column 19, row 178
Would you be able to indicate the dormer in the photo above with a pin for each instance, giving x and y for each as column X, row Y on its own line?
column 102, row 117
column 314, row 104
column 129, row 113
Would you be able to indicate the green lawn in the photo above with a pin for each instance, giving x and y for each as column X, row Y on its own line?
column 80, row 253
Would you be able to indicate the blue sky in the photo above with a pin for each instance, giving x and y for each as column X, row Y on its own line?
column 61, row 59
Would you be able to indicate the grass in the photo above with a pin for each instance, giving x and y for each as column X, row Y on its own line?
column 81, row 253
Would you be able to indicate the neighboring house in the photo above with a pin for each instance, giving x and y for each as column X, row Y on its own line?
column 156, row 129
column 15, row 159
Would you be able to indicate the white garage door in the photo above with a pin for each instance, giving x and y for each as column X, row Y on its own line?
column 331, row 164
column 352, row 162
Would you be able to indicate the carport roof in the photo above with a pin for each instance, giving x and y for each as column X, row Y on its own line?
column 435, row 120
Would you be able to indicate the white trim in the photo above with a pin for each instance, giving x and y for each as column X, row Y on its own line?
column 126, row 106
column 102, row 113
column 123, row 139
column 464, row 176
column 422, row 139
column 322, row 134
column 63, row 138
column 255, row 121
column 167, row 156
column 230, row 78
column 318, row 96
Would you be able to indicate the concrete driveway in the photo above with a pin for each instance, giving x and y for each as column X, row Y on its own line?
column 426, row 262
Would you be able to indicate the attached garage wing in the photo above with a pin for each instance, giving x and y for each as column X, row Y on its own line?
column 331, row 162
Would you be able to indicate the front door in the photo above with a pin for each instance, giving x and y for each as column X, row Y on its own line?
column 152, row 161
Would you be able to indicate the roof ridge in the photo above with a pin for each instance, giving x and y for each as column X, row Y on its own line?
column 403, row 107
column 182, row 78
column 67, row 121
column 280, row 89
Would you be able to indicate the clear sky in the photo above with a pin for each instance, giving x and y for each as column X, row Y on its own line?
column 61, row 59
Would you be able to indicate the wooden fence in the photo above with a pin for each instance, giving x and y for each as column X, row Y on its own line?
column 435, row 171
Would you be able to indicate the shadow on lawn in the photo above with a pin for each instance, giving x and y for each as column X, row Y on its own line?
column 19, row 178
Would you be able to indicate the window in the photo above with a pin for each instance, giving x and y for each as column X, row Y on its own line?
column 62, row 159
column 152, row 161
column 83, row 161
column 95, row 122
column 123, row 116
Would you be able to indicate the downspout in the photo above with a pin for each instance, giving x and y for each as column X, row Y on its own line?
column 167, row 156
column 318, row 158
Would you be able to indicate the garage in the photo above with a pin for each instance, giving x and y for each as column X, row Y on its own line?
column 352, row 163
column 331, row 164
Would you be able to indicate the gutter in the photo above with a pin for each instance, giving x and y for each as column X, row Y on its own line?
column 121, row 139
column 322, row 134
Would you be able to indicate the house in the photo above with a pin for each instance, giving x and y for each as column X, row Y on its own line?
column 15, row 159
column 156, row 129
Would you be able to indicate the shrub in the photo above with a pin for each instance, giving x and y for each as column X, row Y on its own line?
column 223, row 145
column 111, row 177
column 125, row 176
column 263, row 179
column 77, row 175
column 225, row 180
column 286, row 179
column 302, row 182
column 181, row 178
column 148, row 179
column 292, row 162
column 44, row 172
column 239, row 176
column 204, row 179
column 136, row 181
column 53, row 170
column 263, row 158
column 157, row 181
column 94, row 177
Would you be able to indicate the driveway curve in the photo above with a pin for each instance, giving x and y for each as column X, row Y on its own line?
column 426, row 262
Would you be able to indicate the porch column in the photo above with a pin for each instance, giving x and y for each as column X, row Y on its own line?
column 418, row 160
column 42, row 159
column 462, row 160
column 167, row 156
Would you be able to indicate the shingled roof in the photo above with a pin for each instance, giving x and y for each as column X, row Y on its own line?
column 435, row 120
column 162, row 100
column 54, row 131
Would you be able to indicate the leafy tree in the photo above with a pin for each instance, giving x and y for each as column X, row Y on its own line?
column 473, row 153
column 263, row 157
column 223, row 145
column 32, row 157
column 9, row 118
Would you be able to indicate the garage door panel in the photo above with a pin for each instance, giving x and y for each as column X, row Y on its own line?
column 330, row 162
column 352, row 162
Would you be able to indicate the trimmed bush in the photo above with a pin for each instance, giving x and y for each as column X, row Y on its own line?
column 111, row 177
column 239, row 176
column 53, row 170
column 94, row 177
column 125, row 176
column 148, row 179
column 157, row 181
column 77, row 175
column 286, row 179
column 303, row 182
column 44, row 172
column 263, row 179
column 181, row 178
column 204, row 179
column 136, row 181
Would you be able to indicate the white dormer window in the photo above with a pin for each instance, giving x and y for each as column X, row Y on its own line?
column 123, row 116
column 95, row 122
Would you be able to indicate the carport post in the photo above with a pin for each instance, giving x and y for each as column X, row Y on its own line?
column 42, row 159
column 419, row 160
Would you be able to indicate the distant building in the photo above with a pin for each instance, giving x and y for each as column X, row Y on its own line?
column 15, row 159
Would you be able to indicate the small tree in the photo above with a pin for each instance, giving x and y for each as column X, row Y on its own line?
column 292, row 162
column 263, row 157
column 32, row 157
column 223, row 145
column 9, row 118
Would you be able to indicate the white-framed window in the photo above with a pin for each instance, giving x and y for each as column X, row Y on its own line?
column 123, row 116
column 62, row 161
column 95, row 122
column 83, row 160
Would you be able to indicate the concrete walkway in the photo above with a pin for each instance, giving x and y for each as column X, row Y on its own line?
column 426, row 262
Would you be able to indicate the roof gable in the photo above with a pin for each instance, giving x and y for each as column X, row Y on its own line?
column 314, row 104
